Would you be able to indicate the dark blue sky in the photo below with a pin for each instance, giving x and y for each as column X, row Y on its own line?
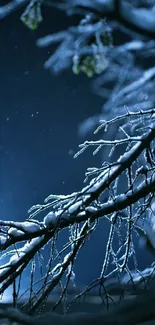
column 39, row 118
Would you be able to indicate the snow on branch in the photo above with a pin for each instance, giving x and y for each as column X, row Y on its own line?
column 90, row 48
column 10, row 7
column 122, row 190
column 123, row 12
column 80, row 213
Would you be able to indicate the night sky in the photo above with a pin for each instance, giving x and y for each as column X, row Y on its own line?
column 39, row 118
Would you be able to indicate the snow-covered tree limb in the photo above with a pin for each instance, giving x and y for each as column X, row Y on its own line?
column 127, row 122
column 140, row 20
column 86, row 207
column 10, row 7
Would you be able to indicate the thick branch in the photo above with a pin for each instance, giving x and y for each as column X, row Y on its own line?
column 121, row 202
column 10, row 7
column 137, row 19
column 73, row 212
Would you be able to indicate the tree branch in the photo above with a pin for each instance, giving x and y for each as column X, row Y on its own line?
column 10, row 7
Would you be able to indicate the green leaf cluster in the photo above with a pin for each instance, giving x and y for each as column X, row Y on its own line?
column 32, row 15
column 95, row 63
column 89, row 65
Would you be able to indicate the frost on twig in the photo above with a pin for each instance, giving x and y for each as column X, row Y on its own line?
column 80, row 212
column 122, row 189
column 90, row 48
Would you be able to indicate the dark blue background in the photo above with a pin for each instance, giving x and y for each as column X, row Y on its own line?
column 39, row 118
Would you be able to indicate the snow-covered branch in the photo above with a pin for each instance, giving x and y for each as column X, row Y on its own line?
column 140, row 20
column 82, row 210
column 11, row 6
column 122, row 189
